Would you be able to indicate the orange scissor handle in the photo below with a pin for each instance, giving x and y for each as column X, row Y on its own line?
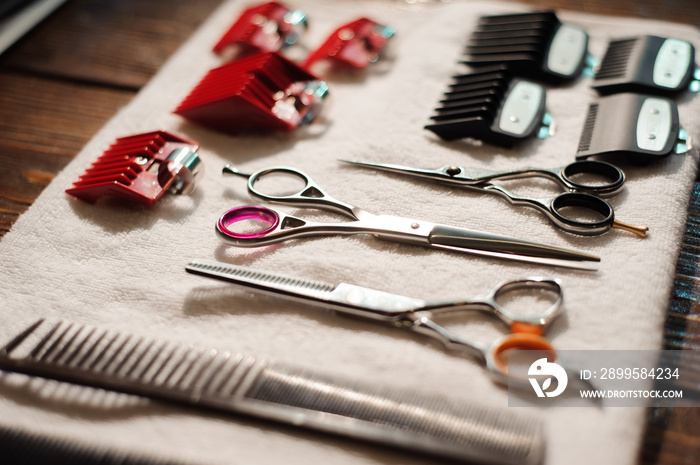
column 496, row 359
column 526, row 328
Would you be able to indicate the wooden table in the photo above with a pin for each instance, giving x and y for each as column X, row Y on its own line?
column 70, row 75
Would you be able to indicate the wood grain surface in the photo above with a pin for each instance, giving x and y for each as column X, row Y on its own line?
column 70, row 75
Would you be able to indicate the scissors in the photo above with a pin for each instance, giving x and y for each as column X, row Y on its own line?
column 583, row 196
column 413, row 314
column 281, row 227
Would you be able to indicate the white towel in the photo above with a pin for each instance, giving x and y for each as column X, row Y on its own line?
column 121, row 266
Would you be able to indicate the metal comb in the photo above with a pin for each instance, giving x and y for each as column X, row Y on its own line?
column 141, row 168
column 640, row 127
column 647, row 64
column 490, row 105
column 536, row 45
column 261, row 92
column 225, row 381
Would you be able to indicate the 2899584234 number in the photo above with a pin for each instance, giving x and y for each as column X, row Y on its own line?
column 639, row 373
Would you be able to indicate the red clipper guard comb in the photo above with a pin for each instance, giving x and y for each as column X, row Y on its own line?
column 261, row 92
column 354, row 45
column 266, row 27
column 141, row 168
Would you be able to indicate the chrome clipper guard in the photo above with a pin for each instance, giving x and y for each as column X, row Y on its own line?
column 141, row 168
column 490, row 105
column 267, row 27
column 642, row 128
column 648, row 64
column 261, row 92
column 355, row 45
column 534, row 45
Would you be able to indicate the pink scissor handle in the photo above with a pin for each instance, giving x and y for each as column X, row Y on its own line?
column 238, row 214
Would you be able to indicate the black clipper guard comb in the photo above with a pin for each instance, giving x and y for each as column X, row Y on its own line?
column 648, row 64
column 641, row 127
column 534, row 45
column 489, row 105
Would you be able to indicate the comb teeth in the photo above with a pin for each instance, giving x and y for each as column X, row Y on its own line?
column 99, row 354
column 616, row 59
column 641, row 127
column 498, row 36
column 535, row 45
column 245, row 274
column 646, row 64
column 132, row 168
column 262, row 92
column 508, row 439
column 489, row 105
column 587, row 133
column 233, row 383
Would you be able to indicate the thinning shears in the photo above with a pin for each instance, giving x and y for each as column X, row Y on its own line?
column 281, row 227
column 580, row 196
column 414, row 314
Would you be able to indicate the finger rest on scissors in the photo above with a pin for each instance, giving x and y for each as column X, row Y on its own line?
column 254, row 215
column 599, row 215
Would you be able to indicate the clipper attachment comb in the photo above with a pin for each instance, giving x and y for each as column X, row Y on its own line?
column 648, row 64
column 642, row 127
column 267, row 27
column 536, row 45
column 355, row 45
column 491, row 106
column 141, row 168
column 262, row 92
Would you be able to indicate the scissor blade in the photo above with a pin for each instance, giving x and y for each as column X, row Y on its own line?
column 438, row 174
column 465, row 240
column 346, row 298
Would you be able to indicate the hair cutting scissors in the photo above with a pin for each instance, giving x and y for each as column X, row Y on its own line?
column 281, row 227
column 413, row 314
column 581, row 196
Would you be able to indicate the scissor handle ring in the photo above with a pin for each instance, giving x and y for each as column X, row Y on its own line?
column 308, row 183
column 536, row 323
column 237, row 214
column 585, row 201
column 516, row 341
column 613, row 173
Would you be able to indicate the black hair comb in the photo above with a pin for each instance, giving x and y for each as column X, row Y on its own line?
column 648, row 64
column 489, row 105
column 535, row 45
column 642, row 127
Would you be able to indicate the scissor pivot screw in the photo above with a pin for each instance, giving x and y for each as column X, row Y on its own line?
column 415, row 226
column 453, row 170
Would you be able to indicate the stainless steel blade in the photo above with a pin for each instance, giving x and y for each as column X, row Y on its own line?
column 464, row 240
column 346, row 298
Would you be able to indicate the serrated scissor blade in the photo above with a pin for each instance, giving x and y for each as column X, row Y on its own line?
column 343, row 297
